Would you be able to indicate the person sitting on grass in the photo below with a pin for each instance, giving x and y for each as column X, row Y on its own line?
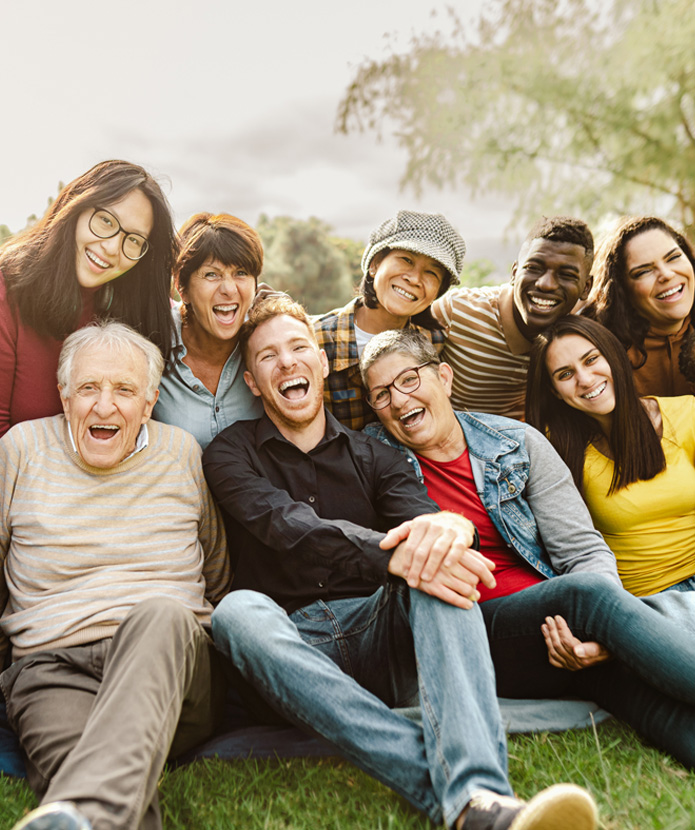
column 112, row 553
column 550, row 635
column 351, row 592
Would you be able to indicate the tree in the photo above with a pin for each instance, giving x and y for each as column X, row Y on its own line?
column 568, row 106
column 5, row 233
column 302, row 258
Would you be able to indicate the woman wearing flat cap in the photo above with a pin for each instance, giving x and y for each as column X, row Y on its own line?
column 409, row 261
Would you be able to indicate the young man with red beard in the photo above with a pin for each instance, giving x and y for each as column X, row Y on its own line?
column 353, row 594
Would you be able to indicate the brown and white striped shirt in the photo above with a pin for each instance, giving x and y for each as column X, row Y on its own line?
column 486, row 350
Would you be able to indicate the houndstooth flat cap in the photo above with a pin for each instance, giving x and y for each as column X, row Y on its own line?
column 423, row 233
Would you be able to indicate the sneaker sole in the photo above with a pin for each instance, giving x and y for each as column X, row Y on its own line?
column 560, row 807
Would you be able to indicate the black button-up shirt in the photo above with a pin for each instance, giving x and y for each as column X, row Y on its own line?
column 306, row 526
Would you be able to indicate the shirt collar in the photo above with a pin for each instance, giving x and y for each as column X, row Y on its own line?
column 140, row 442
column 267, row 430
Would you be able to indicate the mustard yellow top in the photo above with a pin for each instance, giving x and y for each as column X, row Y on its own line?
column 650, row 525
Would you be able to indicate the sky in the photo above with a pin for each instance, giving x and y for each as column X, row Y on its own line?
column 231, row 105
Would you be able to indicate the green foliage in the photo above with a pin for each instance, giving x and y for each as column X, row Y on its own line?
column 303, row 259
column 478, row 272
column 570, row 107
column 5, row 233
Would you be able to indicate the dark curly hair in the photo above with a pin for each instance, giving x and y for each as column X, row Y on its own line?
column 609, row 301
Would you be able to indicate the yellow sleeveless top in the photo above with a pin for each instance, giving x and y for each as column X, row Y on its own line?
column 650, row 525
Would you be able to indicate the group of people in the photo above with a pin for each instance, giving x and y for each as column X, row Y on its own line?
column 348, row 510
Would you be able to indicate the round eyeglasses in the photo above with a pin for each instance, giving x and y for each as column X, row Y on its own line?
column 105, row 225
column 407, row 381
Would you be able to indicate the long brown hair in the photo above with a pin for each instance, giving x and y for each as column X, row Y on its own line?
column 609, row 301
column 635, row 445
column 38, row 264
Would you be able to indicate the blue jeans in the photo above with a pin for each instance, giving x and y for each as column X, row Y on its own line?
column 338, row 667
column 651, row 682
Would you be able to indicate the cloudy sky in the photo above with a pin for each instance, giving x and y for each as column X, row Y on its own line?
column 232, row 104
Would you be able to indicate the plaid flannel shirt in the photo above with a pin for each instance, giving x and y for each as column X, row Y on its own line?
column 343, row 391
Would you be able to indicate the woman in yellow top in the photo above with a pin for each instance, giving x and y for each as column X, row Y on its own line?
column 632, row 458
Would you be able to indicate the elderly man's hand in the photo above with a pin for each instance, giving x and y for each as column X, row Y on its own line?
column 427, row 542
column 565, row 651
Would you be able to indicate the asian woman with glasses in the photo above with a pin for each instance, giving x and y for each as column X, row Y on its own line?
column 105, row 248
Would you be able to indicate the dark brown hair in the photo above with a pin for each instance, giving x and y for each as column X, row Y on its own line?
column 38, row 264
column 609, row 301
column 634, row 443
column 222, row 237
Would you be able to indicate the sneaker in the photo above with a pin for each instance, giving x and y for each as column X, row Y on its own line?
column 560, row 807
column 57, row 815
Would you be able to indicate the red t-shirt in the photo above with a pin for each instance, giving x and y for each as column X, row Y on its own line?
column 451, row 485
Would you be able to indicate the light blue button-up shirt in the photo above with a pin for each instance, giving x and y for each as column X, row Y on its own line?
column 186, row 402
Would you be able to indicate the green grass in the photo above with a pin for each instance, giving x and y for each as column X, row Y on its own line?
column 637, row 788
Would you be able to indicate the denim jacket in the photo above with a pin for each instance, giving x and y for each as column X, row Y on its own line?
column 528, row 493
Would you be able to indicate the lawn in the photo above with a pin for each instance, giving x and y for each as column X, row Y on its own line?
column 636, row 787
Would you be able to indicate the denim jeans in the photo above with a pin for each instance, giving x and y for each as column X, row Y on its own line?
column 651, row 682
column 338, row 667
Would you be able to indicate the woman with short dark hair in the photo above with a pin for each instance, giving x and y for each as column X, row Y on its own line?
column 632, row 458
column 203, row 388
column 104, row 249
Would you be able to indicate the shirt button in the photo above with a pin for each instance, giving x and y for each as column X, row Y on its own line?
column 320, row 584
column 312, row 499
column 217, row 409
column 196, row 388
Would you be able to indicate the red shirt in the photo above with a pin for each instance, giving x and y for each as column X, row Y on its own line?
column 28, row 365
column 451, row 485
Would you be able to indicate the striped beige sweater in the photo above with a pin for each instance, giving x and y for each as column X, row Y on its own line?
column 80, row 546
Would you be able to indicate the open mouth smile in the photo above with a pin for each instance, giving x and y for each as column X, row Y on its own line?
column 403, row 293
column 294, row 389
column 103, row 432
column 98, row 261
column 226, row 312
column 412, row 417
column 589, row 396
column 671, row 293
column 543, row 303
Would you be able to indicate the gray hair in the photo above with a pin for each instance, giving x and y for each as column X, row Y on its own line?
column 115, row 336
column 409, row 342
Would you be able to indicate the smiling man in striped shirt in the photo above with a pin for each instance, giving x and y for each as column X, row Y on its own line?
column 489, row 330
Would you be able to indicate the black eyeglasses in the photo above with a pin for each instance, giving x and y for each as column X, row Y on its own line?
column 105, row 225
column 407, row 381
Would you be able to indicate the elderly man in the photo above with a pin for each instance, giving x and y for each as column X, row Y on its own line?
column 489, row 330
column 112, row 554
column 533, row 525
column 320, row 622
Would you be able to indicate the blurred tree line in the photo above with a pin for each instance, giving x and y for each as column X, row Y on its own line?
column 566, row 106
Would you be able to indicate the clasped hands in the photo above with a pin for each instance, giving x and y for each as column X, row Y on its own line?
column 433, row 554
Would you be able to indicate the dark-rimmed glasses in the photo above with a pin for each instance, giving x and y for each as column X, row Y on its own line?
column 105, row 225
column 407, row 381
